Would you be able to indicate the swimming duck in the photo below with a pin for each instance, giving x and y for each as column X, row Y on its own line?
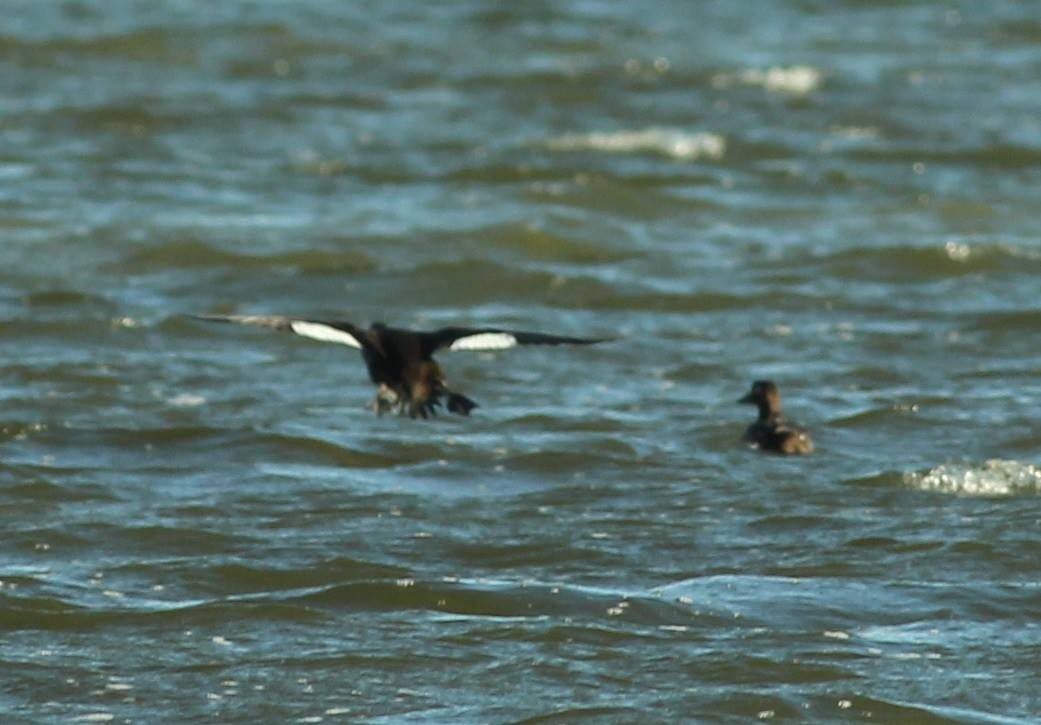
column 771, row 432
column 400, row 361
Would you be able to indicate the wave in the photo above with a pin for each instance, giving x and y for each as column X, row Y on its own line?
column 919, row 263
column 48, row 613
column 992, row 478
column 847, row 611
column 859, row 610
column 81, row 607
column 675, row 144
column 151, row 44
column 172, row 444
column 797, row 80
column 192, row 254
column 65, row 298
column 48, row 492
column 1001, row 155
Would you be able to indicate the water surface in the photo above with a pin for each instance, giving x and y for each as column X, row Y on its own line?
column 203, row 522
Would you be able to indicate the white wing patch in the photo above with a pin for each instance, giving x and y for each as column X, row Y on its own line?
column 485, row 341
column 323, row 333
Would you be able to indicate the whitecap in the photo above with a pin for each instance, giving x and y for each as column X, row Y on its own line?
column 796, row 80
column 994, row 477
column 676, row 144
column 186, row 400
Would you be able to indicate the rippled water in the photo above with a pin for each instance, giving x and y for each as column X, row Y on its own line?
column 203, row 522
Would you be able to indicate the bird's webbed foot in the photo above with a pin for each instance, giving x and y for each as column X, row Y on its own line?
column 425, row 409
column 460, row 404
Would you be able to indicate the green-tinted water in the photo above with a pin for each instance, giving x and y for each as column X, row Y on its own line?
column 203, row 522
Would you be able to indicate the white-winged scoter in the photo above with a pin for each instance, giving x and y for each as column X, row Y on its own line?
column 400, row 362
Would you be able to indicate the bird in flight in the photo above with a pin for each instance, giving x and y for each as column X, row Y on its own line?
column 400, row 361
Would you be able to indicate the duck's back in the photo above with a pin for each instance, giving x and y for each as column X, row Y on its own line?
column 779, row 436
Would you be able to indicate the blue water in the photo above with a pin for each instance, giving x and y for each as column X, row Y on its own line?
column 203, row 522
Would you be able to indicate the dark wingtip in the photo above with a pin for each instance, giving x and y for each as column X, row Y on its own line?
column 586, row 340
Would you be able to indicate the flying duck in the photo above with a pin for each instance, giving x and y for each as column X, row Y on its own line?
column 400, row 362
column 771, row 432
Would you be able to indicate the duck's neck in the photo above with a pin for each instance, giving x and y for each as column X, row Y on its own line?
column 768, row 411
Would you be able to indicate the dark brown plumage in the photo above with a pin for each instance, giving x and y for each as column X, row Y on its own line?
column 771, row 432
column 400, row 362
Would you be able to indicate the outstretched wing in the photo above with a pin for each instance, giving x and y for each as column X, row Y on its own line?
column 488, row 338
column 342, row 333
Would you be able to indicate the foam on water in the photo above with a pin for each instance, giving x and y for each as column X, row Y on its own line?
column 186, row 400
column 673, row 143
column 798, row 80
column 994, row 477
